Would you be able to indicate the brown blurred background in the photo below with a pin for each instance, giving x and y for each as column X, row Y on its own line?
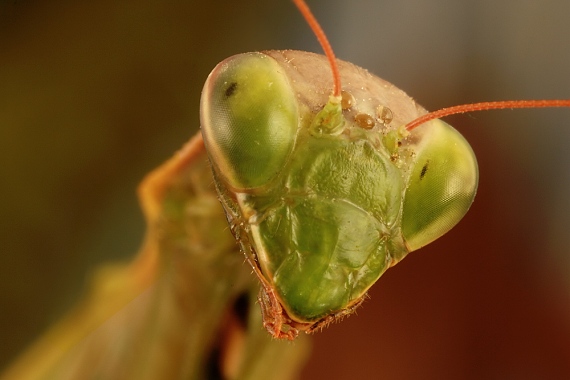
column 94, row 95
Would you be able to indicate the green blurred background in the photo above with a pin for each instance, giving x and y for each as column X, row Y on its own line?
column 93, row 95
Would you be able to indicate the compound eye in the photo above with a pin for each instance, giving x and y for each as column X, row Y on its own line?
column 249, row 120
column 442, row 185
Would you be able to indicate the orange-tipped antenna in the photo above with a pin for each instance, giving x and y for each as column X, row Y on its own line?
column 484, row 106
column 321, row 36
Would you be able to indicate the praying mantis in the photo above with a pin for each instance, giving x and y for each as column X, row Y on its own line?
column 427, row 253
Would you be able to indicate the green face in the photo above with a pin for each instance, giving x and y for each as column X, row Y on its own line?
column 323, row 195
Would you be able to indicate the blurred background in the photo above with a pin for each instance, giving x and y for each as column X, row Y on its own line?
column 95, row 94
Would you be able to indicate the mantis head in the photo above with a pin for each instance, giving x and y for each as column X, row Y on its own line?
column 325, row 190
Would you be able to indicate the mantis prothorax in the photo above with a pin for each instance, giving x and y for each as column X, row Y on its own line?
column 326, row 189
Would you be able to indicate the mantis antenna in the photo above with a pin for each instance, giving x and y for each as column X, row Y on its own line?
column 323, row 40
column 483, row 106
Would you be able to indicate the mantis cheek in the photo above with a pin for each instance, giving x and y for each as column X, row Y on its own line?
column 249, row 120
column 442, row 185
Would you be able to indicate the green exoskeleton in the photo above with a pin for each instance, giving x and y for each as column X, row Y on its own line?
column 325, row 192
column 325, row 195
